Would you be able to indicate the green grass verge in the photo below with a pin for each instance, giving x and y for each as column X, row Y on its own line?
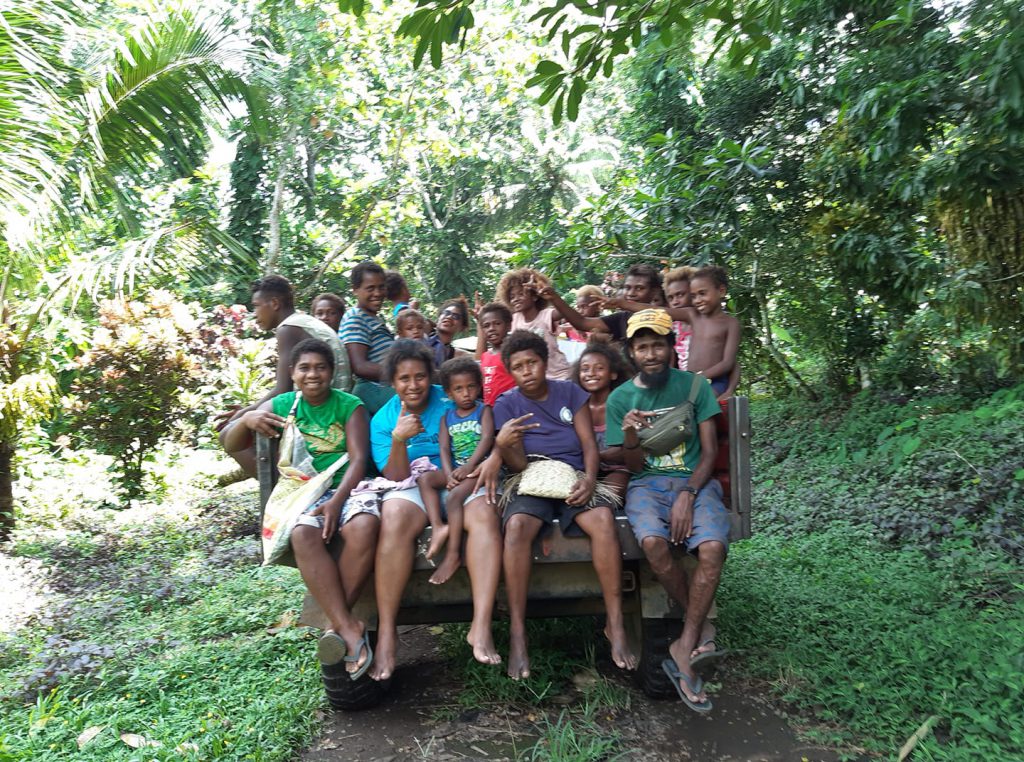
column 872, row 641
column 176, row 620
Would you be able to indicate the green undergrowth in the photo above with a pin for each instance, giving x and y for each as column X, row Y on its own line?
column 158, row 633
column 870, row 642
column 883, row 588
column 915, row 470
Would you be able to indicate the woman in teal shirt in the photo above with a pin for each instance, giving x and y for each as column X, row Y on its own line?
column 333, row 423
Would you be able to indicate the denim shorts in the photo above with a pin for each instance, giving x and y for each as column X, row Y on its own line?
column 649, row 506
column 367, row 502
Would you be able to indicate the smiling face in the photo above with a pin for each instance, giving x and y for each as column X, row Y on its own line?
column 412, row 384
column 595, row 372
column 650, row 352
column 311, row 375
column 707, row 297
column 637, row 288
column 495, row 328
column 519, row 298
column 328, row 313
column 678, row 293
column 449, row 321
column 529, row 369
column 370, row 293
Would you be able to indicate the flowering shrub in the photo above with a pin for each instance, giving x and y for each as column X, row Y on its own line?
column 132, row 385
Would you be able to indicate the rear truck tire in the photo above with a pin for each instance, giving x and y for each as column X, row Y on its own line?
column 657, row 635
column 350, row 695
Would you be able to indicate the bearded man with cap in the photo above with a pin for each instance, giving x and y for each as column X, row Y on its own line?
column 672, row 499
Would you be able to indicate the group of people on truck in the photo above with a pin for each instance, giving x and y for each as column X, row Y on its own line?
column 512, row 439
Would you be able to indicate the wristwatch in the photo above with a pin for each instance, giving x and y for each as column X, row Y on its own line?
column 690, row 489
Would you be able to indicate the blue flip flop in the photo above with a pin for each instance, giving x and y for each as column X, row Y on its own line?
column 675, row 676
column 707, row 658
column 331, row 649
column 364, row 642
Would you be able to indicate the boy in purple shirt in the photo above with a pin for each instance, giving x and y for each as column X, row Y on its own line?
column 551, row 418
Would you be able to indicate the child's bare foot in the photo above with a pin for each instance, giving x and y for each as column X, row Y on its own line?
column 438, row 536
column 518, row 659
column 444, row 572
column 384, row 657
column 483, row 646
column 622, row 654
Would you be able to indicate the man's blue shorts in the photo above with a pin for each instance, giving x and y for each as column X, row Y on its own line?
column 649, row 505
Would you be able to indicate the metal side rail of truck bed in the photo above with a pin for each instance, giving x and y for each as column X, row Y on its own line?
column 563, row 582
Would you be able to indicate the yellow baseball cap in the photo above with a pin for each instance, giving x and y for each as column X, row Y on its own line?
column 658, row 321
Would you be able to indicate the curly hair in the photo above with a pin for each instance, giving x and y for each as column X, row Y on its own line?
column 364, row 268
column 394, row 285
column 522, row 341
column 458, row 366
column 275, row 286
column 684, row 273
column 312, row 347
column 713, row 273
column 410, row 314
column 645, row 271
column 499, row 309
column 519, row 278
column 616, row 362
column 332, row 299
column 407, row 349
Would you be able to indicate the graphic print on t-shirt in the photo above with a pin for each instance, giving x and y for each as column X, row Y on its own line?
column 465, row 436
column 676, row 458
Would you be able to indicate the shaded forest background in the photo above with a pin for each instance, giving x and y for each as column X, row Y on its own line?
column 858, row 167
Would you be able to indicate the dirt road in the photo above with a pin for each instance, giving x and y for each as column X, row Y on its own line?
column 422, row 720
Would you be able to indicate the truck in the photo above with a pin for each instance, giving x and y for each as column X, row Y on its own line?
column 563, row 582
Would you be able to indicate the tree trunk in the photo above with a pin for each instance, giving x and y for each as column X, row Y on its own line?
column 6, row 490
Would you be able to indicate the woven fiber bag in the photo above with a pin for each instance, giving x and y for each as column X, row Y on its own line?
column 548, row 478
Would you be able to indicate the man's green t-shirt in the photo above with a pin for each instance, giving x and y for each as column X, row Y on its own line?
column 322, row 426
column 682, row 460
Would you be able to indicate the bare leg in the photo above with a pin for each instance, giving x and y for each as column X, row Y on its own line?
column 520, row 530
column 321, row 576
column 483, row 561
column 456, row 497
column 673, row 578
column 669, row 573
column 599, row 524
column 710, row 557
column 430, row 485
column 359, row 538
column 245, row 458
column 401, row 523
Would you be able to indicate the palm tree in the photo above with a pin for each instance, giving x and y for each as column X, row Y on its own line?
column 77, row 138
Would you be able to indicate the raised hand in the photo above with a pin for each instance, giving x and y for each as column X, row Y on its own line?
column 478, row 305
column 407, row 426
column 511, row 434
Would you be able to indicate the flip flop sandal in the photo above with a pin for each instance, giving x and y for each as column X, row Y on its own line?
column 331, row 649
column 364, row 642
column 670, row 668
column 707, row 658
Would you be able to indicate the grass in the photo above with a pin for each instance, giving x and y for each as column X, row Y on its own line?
column 154, row 632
